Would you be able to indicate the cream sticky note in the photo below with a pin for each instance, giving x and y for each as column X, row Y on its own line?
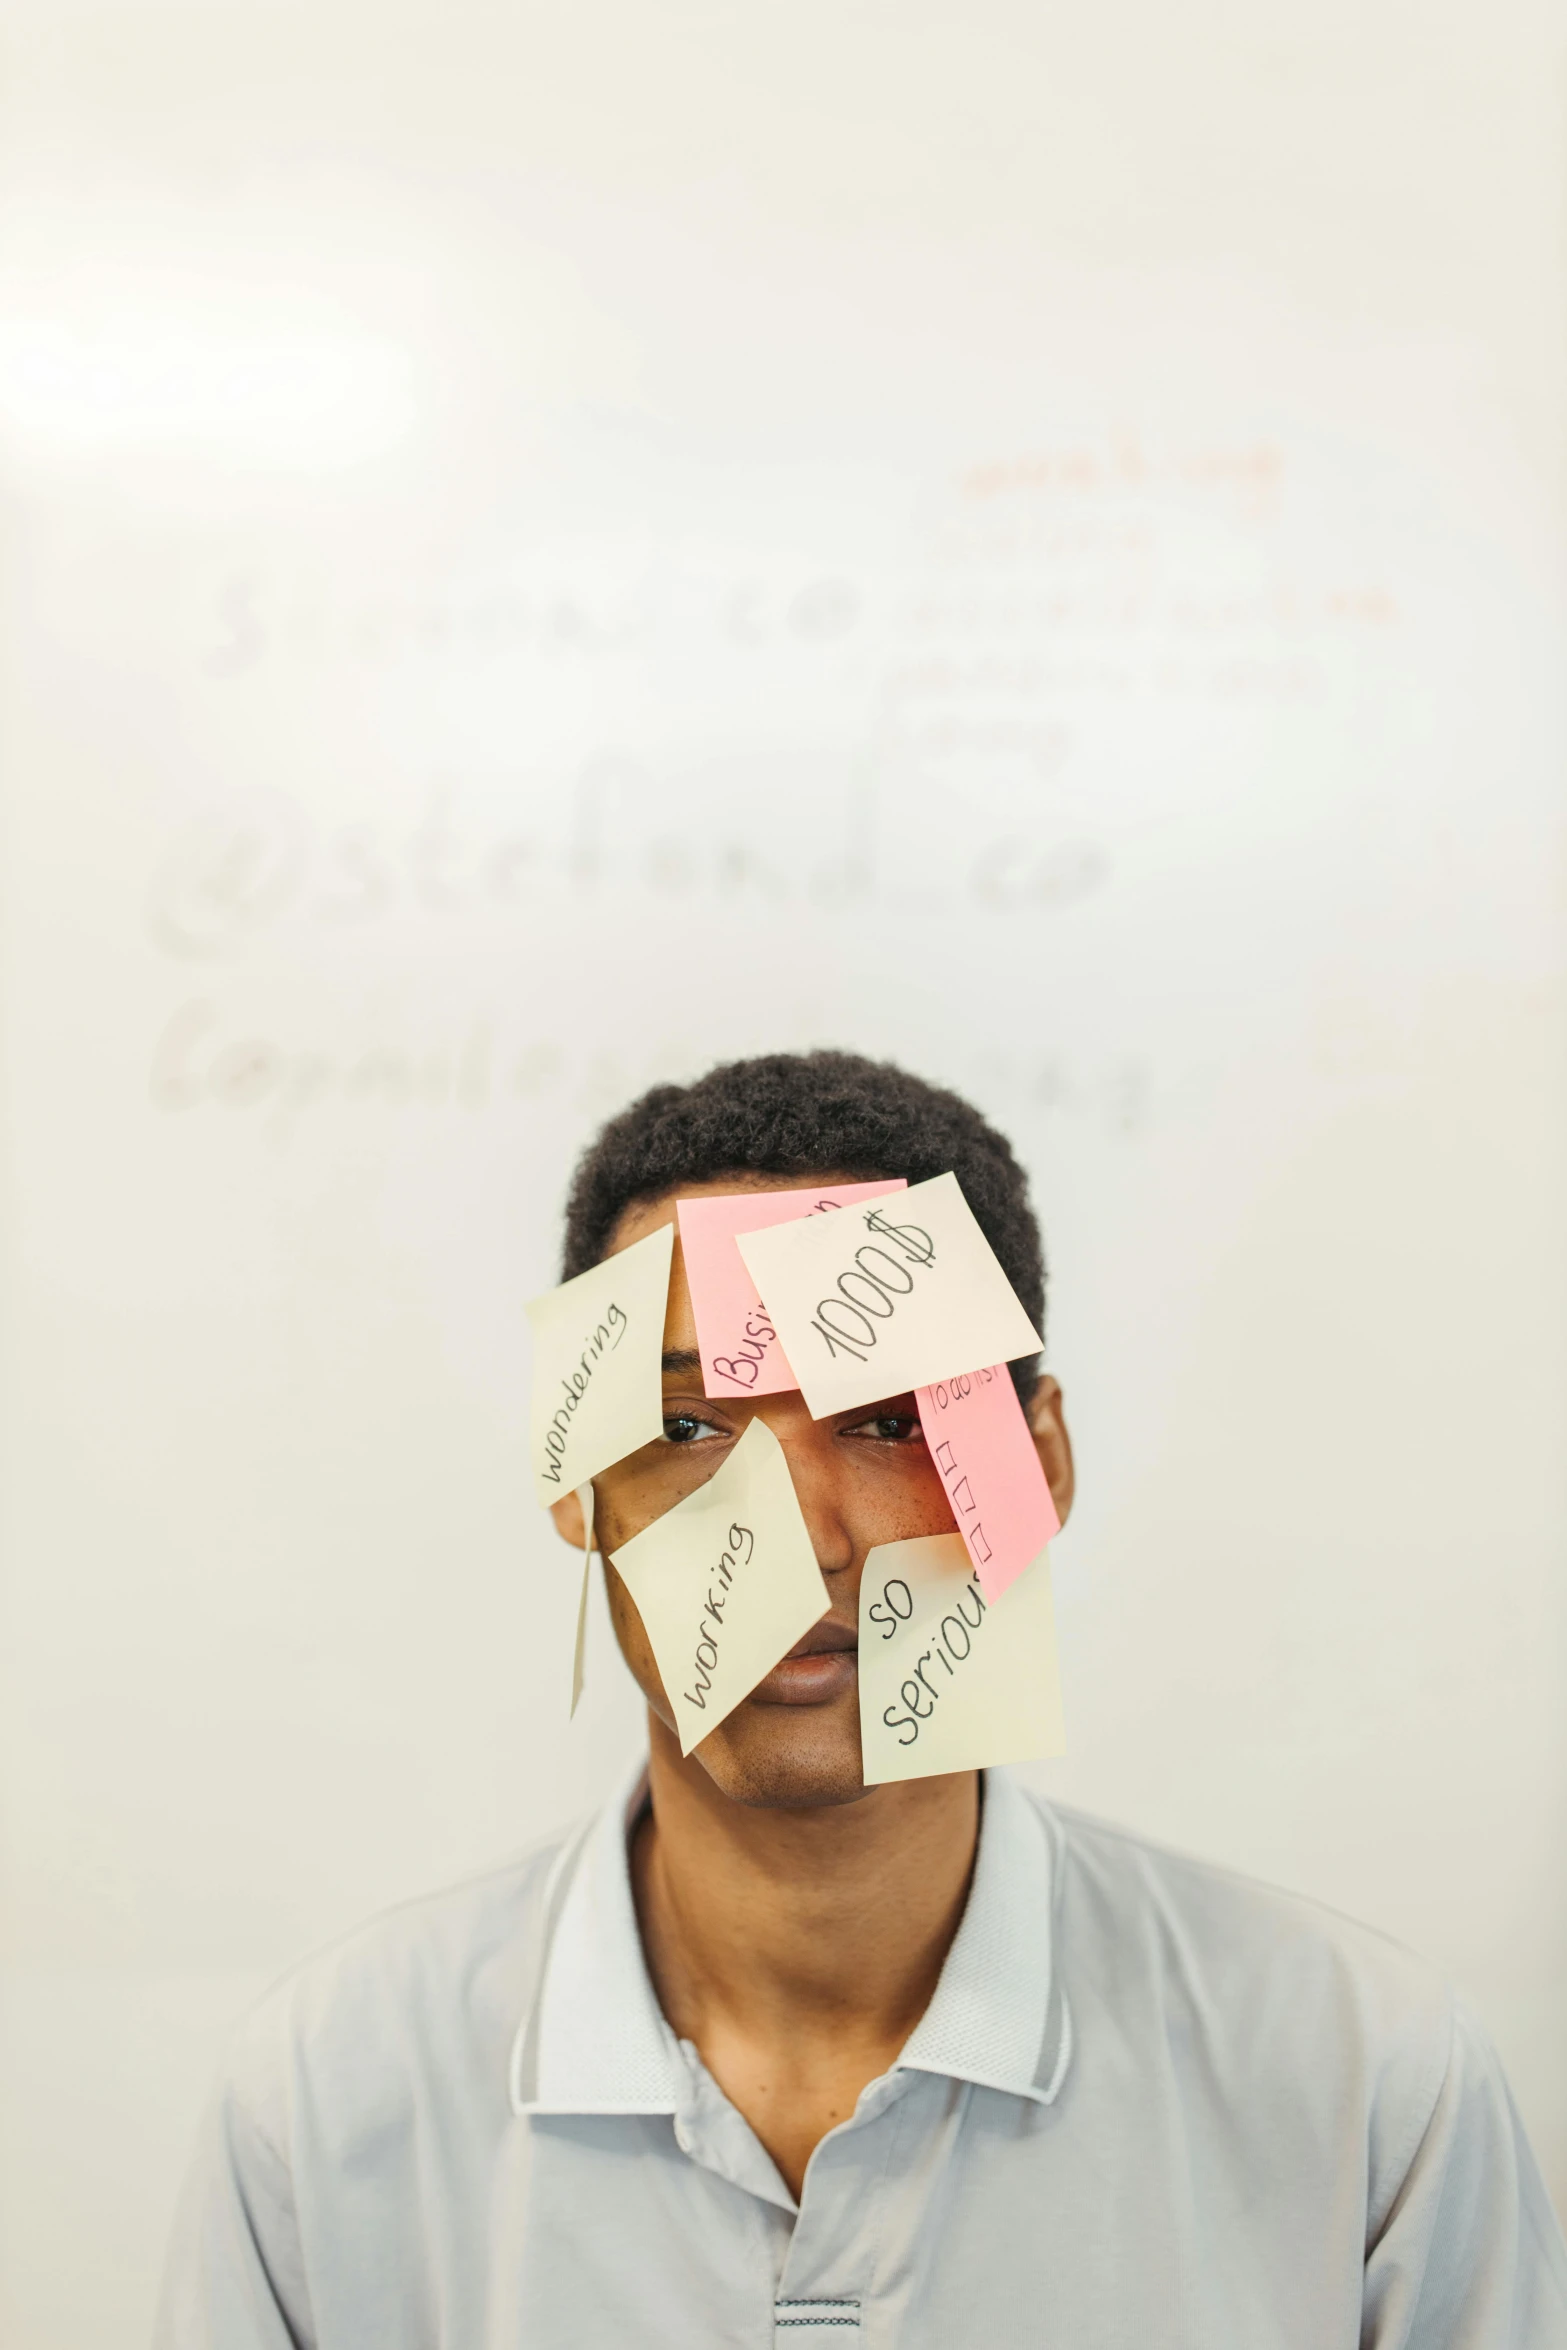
column 579, row 1651
column 598, row 1343
column 981, row 1443
column 949, row 1680
column 726, row 1583
column 886, row 1296
column 741, row 1354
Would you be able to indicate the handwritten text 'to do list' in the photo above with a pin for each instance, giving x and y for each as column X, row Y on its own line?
column 985, row 1455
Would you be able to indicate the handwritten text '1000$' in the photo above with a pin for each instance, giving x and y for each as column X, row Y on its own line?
column 865, row 1295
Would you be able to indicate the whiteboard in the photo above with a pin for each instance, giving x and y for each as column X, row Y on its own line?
column 543, row 552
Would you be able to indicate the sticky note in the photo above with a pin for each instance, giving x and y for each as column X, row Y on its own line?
column 726, row 1582
column 886, row 1296
column 741, row 1354
column 950, row 1680
column 982, row 1446
column 598, row 1342
column 579, row 1651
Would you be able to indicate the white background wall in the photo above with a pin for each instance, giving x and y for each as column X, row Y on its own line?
column 546, row 546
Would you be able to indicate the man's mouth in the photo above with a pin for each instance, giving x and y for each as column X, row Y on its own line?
column 828, row 1638
column 817, row 1669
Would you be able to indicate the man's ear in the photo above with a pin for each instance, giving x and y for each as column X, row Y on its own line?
column 567, row 1514
column 1048, row 1423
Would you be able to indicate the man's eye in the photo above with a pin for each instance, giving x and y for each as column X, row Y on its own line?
column 686, row 1428
column 888, row 1428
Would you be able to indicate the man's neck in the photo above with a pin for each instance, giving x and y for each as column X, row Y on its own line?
column 798, row 1948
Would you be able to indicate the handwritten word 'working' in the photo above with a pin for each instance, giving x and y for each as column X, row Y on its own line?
column 712, row 1613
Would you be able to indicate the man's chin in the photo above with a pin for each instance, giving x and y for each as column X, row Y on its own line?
column 786, row 1757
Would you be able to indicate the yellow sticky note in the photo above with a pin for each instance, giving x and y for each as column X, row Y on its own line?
column 597, row 1374
column 885, row 1295
column 951, row 1681
column 580, row 1649
column 726, row 1583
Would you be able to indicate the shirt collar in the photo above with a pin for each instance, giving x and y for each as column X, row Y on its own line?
column 999, row 2018
column 595, row 2040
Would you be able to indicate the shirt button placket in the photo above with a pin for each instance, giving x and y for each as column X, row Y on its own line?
column 816, row 2324
column 820, row 2304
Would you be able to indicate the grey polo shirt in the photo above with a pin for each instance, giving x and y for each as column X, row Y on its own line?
column 1150, row 2105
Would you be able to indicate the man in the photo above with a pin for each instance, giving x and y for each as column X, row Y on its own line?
column 762, row 2055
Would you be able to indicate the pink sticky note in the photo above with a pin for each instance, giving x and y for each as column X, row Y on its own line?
column 981, row 1445
column 740, row 1351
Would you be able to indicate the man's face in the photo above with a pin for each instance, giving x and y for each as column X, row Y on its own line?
column 862, row 1478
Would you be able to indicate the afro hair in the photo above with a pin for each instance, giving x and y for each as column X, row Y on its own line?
column 804, row 1114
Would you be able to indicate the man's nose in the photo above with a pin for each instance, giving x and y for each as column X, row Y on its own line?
column 821, row 1489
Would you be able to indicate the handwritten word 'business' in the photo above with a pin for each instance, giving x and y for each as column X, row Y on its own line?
column 743, row 1367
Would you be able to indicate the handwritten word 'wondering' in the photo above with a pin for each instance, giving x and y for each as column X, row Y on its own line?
column 742, row 1542
column 603, row 1339
column 952, row 1646
column 864, row 1294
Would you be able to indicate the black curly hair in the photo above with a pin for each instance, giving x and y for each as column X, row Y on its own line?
column 817, row 1113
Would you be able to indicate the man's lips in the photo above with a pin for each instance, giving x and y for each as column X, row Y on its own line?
column 817, row 1669
column 827, row 1639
